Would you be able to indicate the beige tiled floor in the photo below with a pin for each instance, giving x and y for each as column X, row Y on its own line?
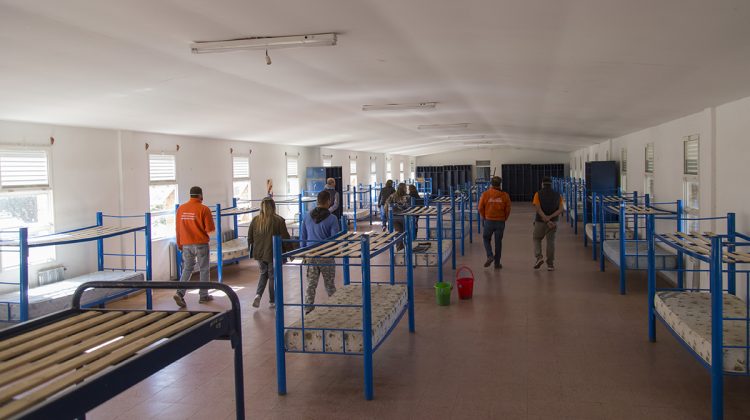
column 529, row 345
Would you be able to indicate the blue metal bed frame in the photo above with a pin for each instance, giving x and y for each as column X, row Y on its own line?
column 75, row 401
column 366, row 281
column 720, row 244
column 355, row 201
column 622, row 218
column 24, row 246
column 439, row 229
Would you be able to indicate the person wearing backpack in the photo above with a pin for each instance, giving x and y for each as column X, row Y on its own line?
column 549, row 205
column 494, row 209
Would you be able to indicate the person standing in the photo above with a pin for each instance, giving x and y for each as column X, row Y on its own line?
column 400, row 200
column 335, row 199
column 385, row 192
column 319, row 225
column 549, row 205
column 417, row 201
column 494, row 209
column 263, row 228
column 194, row 225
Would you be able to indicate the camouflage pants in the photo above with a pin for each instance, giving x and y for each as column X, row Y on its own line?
column 313, row 275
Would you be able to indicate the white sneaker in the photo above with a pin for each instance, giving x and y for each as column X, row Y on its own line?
column 272, row 305
column 550, row 268
column 256, row 301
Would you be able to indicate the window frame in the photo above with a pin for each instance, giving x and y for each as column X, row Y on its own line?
column 624, row 169
column 242, row 219
column 40, row 255
column 165, row 214
column 353, row 179
column 289, row 176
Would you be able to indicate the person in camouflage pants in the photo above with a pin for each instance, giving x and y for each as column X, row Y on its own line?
column 317, row 267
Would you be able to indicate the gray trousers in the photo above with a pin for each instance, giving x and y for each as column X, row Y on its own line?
column 313, row 275
column 266, row 274
column 191, row 254
column 541, row 231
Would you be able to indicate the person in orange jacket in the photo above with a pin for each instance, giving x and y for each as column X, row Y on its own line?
column 494, row 209
column 194, row 225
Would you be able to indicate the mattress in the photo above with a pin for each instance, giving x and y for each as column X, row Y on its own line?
column 57, row 296
column 428, row 257
column 388, row 303
column 236, row 248
column 665, row 260
column 361, row 214
column 611, row 231
column 689, row 315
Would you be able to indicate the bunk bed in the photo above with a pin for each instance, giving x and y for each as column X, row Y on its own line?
column 302, row 203
column 228, row 246
column 31, row 302
column 604, row 226
column 358, row 205
column 632, row 253
column 358, row 317
column 428, row 251
column 65, row 364
column 711, row 322
column 456, row 201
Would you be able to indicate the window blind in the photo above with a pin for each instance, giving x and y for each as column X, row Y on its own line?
column 352, row 166
column 624, row 163
column 162, row 168
column 23, row 168
column 650, row 158
column 691, row 154
column 241, row 167
column 291, row 166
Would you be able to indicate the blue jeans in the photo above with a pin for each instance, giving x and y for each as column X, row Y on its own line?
column 383, row 218
column 494, row 228
column 191, row 253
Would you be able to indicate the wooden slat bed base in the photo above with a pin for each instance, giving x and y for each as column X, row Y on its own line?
column 424, row 211
column 633, row 209
column 40, row 363
column 348, row 249
column 58, row 376
column 39, row 332
column 701, row 244
column 54, row 336
column 78, row 235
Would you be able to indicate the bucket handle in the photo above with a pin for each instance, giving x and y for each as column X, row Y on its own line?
column 464, row 267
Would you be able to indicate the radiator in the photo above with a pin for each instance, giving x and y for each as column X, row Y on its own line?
column 51, row 275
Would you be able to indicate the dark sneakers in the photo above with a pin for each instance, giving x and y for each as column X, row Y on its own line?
column 204, row 299
column 498, row 266
column 489, row 261
column 539, row 263
column 179, row 300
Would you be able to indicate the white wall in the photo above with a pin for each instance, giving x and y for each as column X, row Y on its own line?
column 107, row 170
column 496, row 156
column 723, row 170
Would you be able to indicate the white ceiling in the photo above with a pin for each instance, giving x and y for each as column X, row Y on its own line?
column 546, row 74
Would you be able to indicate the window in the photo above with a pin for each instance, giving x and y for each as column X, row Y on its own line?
column 352, row 172
column 25, row 201
column 327, row 161
column 412, row 173
column 373, row 172
column 241, row 182
column 649, row 157
column 388, row 169
column 292, row 176
column 624, row 169
column 162, row 192
column 401, row 171
column 690, row 183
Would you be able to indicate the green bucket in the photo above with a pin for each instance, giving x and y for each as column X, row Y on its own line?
column 443, row 293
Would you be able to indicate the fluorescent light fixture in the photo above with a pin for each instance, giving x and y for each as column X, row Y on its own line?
column 264, row 43
column 399, row 107
column 442, row 126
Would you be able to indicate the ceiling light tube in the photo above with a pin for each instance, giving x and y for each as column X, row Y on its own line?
column 442, row 126
column 264, row 43
column 399, row 107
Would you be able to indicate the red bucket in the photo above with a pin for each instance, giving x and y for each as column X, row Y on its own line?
column 465, row 285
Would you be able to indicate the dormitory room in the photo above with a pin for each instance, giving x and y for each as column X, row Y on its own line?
column 415, row 209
